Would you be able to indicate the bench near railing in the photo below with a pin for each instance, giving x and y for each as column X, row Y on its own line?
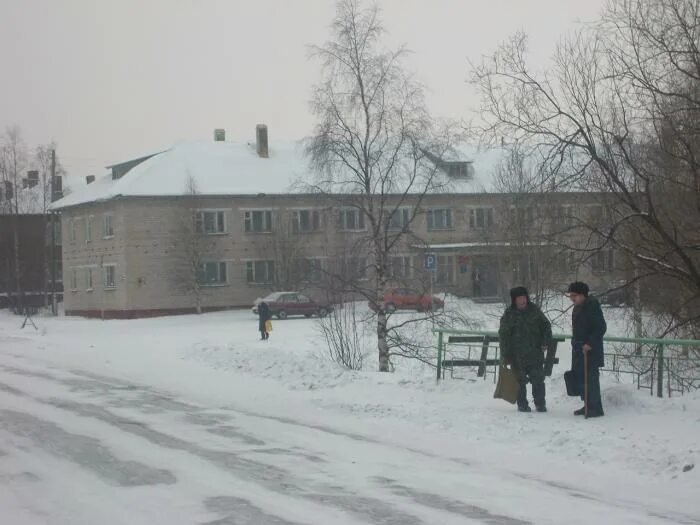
column 488, row 337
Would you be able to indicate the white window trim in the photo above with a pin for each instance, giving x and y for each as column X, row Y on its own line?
column 309, row 209
column 471, row 209
column 411, row 269
column 74, row 279
column 91, row 286
column 104, row 226
column 245, row 270
column 343, row 228
column 217, row 284
column 272, row 211
column 225, row 211
column 88, row 229
column 401, row 210
column 104, row 284
column 430, row 212
column 73, row 233
column 321, row 269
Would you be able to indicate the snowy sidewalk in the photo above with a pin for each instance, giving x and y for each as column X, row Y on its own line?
column 189, row 420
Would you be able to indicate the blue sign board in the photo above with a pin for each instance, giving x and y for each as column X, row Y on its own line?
column 430, row 262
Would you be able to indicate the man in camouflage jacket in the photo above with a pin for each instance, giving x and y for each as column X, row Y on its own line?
column 524, row 335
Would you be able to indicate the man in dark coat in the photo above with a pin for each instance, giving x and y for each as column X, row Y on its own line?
column 263, row 316
column 588, row 329
column 524, row 335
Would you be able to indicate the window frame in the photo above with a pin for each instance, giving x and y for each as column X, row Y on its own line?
column 405, row 215
column 488, row 217
column 314, row 220
column 105, row 284
column 250, row 268
column 219, row 221
column 406, row 264
column 451, row 267
column 108, row 219
column 249, row 221
column 359, row 222
column 446, row 213
column 88, row 229
column 221, row 268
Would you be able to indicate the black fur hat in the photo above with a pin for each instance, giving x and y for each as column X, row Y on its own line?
column 518, row 291
column 579, row 288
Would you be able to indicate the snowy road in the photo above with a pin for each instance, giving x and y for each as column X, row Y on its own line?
column 79, row 447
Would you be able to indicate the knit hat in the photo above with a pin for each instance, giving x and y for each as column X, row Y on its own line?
column 579, row 288
column 518, row 291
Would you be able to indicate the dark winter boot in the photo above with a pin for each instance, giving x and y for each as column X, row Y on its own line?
column 524, row 408
column 541, row 408
column 580, row 412
column 598, row 412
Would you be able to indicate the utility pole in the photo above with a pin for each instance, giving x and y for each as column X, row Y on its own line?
column 54, row 306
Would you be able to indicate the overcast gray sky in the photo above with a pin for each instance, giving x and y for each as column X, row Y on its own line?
column 108, row 79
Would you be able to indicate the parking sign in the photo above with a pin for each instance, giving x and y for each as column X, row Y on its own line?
column 430, row 262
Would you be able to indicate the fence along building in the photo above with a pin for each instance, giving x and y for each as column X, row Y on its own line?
column 218, row 224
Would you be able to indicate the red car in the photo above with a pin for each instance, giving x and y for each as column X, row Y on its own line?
column 284, row 304
column 409, row 299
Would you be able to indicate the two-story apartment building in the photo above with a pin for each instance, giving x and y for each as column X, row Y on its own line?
column 218, row 224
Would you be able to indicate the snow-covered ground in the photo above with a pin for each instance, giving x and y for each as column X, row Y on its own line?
column 192, row 419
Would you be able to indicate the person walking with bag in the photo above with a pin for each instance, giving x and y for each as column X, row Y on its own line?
column 587, row 356
column 263, row 317
column 524, row 335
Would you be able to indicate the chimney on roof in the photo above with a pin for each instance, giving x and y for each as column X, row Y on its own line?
column 219, row 135
column 90, row 179
column 261, row 141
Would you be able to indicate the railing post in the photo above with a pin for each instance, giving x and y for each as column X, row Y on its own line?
column 660, row 373
column 439, row 356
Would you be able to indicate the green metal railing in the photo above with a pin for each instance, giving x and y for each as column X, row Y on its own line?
column 657, row 360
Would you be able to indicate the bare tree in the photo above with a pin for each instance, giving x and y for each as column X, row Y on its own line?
column 13, row 163
column 374, row 144
column 343, row 331
column 617, row 112
column 190, row 240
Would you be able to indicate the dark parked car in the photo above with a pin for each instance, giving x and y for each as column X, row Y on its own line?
column 616, row 297
column 284, row 304
column 409, row 299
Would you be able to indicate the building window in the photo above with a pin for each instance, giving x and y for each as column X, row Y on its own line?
column 306, row 221
column 260, row 272
column 440, row 219
column 74, row 279
column 565, row 262
column 109, row 273
column 73, row 233
column 399, row 219
column 354, row 268
column 212, row 273
column 351, row 219
column 88, row 229
column 603, row 261
column 312, row 270
column 401, row 267
column 564, row 215
column 58, row 269
column 210, row 222
column 108, row 226
column 445, row 269
column 481, row 217
column 88, row 279
column 258, row 221
column 525, row 216
column 53, row 234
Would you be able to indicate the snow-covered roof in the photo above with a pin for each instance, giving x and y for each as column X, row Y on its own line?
column 217, row 168
column 224, row 168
